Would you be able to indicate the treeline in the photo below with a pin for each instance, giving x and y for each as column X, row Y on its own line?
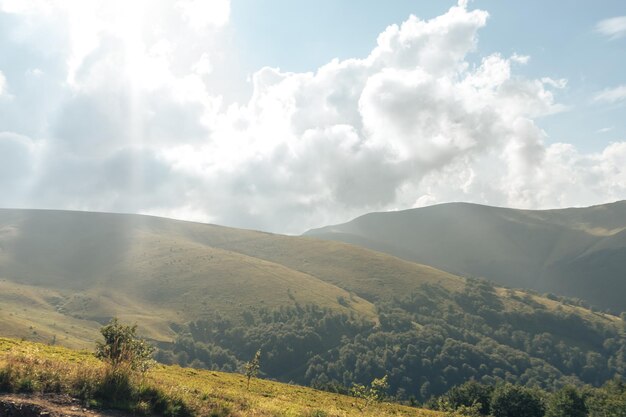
column 426, row 342
column 288, row 338
column 507, row 400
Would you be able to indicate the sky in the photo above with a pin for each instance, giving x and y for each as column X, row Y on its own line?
column 281, row 116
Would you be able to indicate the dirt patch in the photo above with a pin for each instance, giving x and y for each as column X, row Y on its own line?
column 48, row 406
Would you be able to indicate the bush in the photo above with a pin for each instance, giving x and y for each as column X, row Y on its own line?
column 252, row 368
column 566, row 403
column 122, row 347
column 471, row 394
column 514, row 401
column 375, row 393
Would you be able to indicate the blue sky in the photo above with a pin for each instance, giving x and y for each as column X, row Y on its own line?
column 282, row 116
column 560, row 37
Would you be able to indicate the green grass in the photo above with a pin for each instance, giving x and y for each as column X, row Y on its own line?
column 171, row 390
column 28, row 312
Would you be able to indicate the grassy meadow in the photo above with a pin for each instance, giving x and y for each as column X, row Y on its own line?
column 38, row 368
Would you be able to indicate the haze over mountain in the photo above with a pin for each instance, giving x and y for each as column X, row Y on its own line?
column 327, row 314
column 268, row 119
column 578, row 252
column 95, row 265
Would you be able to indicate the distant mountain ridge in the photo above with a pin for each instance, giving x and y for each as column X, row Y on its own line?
column 578, row 252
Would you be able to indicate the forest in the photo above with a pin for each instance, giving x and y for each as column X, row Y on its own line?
column 507, row 400
column 426, row 343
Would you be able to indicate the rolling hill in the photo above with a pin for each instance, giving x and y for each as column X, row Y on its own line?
column 92, row 266
column 578, row 252
column 324, row 313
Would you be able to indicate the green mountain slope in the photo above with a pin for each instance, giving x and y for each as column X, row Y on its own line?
column 323, row 313
column 578, row 252
column 159, row 271
column 147, row 269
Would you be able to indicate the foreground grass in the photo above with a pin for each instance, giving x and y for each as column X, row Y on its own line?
column 170, row 390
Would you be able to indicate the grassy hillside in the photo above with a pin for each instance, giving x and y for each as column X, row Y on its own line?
column 76, row 267
column 29, row 312
column 324, row 313
column 152, row 270
column 578, row 252
column 204, row 392
column 160, row 271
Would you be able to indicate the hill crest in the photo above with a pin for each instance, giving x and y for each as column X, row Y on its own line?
column 555, row 250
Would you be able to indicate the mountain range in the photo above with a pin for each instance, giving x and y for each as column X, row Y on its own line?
column 93, row 266
column 324, row 313
column 577, row 252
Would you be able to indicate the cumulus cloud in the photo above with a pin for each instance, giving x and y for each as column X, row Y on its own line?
column 135, row 124
column 613, row 28
column 202, row 14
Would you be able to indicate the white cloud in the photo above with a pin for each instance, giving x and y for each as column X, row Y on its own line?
column 126, row 119
column 611, row 95
column 141, row 31
column 202, row 14
column 559, row 83
column 613, row 28
column 22, row 7
column 203, row 66
column 4, row 89
column 520, row 59
column 437, row 45
column 3, row 84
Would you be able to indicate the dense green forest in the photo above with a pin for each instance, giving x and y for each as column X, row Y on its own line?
column 507, row 400
column 426, row 342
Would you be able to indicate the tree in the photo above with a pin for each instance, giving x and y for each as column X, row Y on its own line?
column 452, row 410
column 122, row 346
column 514, row 401
column 252, row 368
column 470, row 394
column 566, row 402
column 375, row 392
column 608, row 401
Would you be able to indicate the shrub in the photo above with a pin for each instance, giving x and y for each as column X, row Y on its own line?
column 471, row 394
column 376, row 392
column 566, row 403
column 514, row 401
column 122, row 347
column 252, row 368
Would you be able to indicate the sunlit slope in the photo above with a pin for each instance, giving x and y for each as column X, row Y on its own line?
column 30, row 312
column 164, row 259
column 155, row 271
column 579, row 252
column 144, row 269
column 207, row 391
column 63, row 274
